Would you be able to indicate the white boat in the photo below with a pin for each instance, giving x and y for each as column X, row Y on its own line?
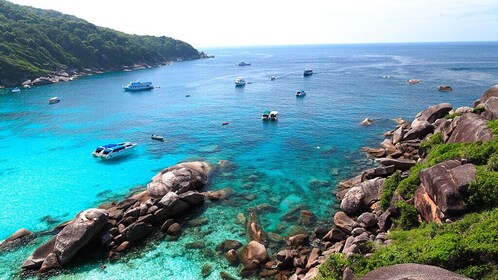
column 16, row 90
column 157, row 137
column 54, row 100
column 308, row 72
column 244, row 64
column 113, row 150
column 270, row 116
column 135, row 86
column 300, row 93
column 240, row 82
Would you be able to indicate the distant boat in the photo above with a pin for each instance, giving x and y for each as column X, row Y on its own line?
column 135, row 86
column 272, row 78
column 414, row 81
column 300, row 93
column 54, row 100
column 240, row 82
column 26, row 86
column 225, row 123
column 308, row 72
column 16, row 90
column 386, row 77
column 113, row 150
column 157, row 137
column 244, row 64
column 188, row 95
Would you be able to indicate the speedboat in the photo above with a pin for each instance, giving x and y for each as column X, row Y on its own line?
column 308, row 72
column 157, row 137
column 112, row 150
column 16, row 90
column 272, row 78
column 54, row 100
column 270, row 116
column 300, row 93
column 135, row 86
column 240, row 82
column 244, row 64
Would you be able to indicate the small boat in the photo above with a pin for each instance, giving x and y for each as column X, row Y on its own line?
column 244, row 64
column 272, row 78
column 16, row 90
column 240, row 82
column 113, row 150
column 54, row 100
column 270, row 116
column 135, row 86
column 386, row 77
column 308, row 72
column 188, row 95
column 414, row 81
column 157, row 137
column 225, row 123
column 300, row 93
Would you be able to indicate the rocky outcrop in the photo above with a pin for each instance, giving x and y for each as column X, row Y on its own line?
column 20, row 236
column 444, row 88
column 447, row 183
column 470, row 128
column 362, row 196
column 179, row 178
column 129, row 221
column 78, row 233
column 491, row 108
column 411, row 271
column 432, row 113
column 399, row 164
column 491, row 92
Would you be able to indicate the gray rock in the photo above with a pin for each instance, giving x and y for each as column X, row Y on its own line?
column 173, row 204
column 137, row 231
column 50, row 262
column 174, row 229
column 192, row 197
column 253, row 251
column 491, row 108
column 432, row 113
column 446, row 183
column 367, row 220
column 420, row 131
column 470, row 128
column 179, row 178
column 398, row 135
column 299, row 239
column 399, row 164
column 165, row 226
column 344, row 222
column 357, row 231
column 412, row 271
column 334, row 234
column 228, row 245
column 491, row 92
column 363, row 195
column 78, row 233
column 385, row 220
column 348, row 274
column 35, row 260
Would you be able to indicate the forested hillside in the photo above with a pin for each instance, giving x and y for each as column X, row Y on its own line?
column 36, row 42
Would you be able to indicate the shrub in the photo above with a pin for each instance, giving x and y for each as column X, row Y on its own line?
column 390, row 186
column 483, row 192
column 408, row 218
column 493, row 125
column 492, row 164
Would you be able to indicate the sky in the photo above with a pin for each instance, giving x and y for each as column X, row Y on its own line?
column 221, row 23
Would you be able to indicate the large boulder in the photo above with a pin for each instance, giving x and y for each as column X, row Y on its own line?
column 35, row 260
column 470, row 128
column 78, row 233
column 21, row 235
column 180, row 178
column 426, row 206
column 172, row 204
column 491, row 108
column 491, row 92
column 419, row 131
column 432, row 113
column 136, row 231
column 362, row 196
column 344, row 222
column 253, row 251
column 412, row 271
column 446, row 183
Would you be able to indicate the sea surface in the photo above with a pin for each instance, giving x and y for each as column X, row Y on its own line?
column 47, row 173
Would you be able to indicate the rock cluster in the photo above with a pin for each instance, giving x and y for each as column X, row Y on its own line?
column 170, row 193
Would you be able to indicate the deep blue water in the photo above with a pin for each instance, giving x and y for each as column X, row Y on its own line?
column 47, row 173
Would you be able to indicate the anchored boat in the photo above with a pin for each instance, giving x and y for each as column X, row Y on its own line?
column 136, row 86
column 113, row 150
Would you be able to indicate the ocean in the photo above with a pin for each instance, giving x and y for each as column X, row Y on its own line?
column 48, row 175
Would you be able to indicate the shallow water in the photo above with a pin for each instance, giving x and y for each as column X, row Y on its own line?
column 47, row 173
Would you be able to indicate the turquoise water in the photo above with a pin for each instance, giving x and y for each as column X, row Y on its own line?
column 47, row 173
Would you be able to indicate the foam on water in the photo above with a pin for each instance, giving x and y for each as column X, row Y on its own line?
column 47, row 173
